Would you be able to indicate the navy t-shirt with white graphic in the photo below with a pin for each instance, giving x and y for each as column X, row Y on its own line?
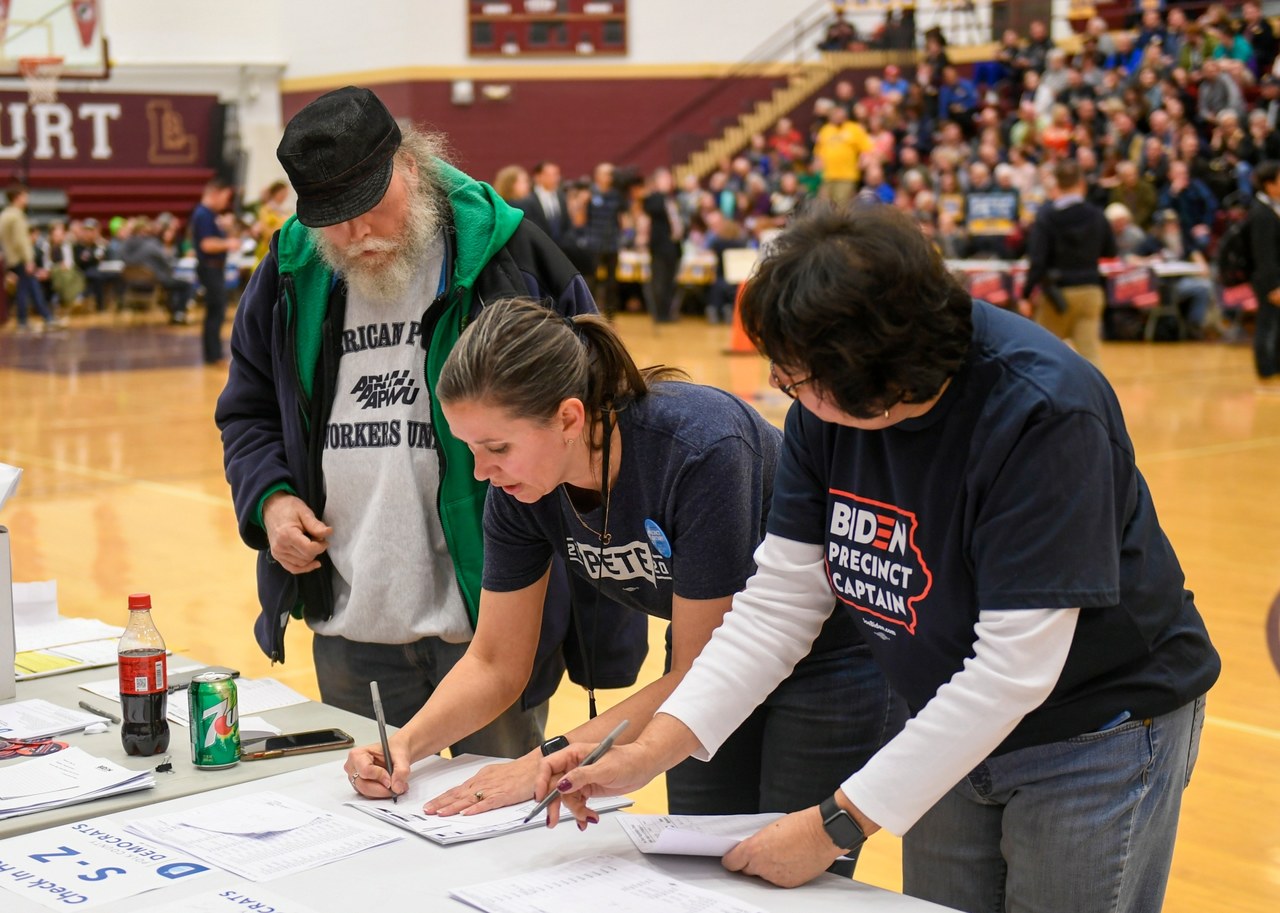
column 1017, row 490
column 685, row 512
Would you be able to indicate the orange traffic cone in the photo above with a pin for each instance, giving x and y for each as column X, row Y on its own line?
column 739, row 342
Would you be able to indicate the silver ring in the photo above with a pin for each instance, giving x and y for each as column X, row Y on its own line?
column 353, row 779
column 479, row 794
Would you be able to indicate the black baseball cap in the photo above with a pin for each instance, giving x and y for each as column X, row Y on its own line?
column 339, row 152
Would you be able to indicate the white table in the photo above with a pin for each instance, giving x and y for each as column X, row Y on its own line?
column 186, row 778
column 415, row 874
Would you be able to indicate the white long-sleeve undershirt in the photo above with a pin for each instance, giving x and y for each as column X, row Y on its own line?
column 1018, row 657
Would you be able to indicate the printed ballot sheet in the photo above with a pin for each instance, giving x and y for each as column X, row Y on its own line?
column 597, row 883
column 88, row 864
column 432, row 776
column 692, row 835
column 261, row 836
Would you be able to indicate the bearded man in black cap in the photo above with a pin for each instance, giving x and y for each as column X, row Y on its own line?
column 363, row 507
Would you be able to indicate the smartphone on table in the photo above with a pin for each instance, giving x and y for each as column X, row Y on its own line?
column 287, row 743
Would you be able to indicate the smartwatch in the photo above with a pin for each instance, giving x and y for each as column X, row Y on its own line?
column 840, row 826
column 551, row 746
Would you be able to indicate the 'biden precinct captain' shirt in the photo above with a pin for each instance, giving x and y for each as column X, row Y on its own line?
column 1017, row 490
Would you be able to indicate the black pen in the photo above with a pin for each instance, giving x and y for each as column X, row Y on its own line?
column 92, row 709
column 382, row 733
column 596, row 754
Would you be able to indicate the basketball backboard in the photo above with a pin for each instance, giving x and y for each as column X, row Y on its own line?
column 50, row 29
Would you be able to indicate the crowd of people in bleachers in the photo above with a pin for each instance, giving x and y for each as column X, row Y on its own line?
column 1167, row 121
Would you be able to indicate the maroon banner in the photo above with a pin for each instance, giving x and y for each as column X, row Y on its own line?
column 105, row 131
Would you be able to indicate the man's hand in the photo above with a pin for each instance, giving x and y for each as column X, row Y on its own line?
column 494, row 786
column 789, row 852
column 297, row 538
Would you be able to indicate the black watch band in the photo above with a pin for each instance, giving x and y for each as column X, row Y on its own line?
column 840, row 826
column 552, row 745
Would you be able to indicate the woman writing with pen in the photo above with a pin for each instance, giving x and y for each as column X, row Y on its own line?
column 654, row 492
column 1034, row 615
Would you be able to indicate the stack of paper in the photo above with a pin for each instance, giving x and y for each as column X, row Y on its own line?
column 40, row 719
column 91, row 654
column 597, row 883
column 66, row 778
column 262, row 836
column 433, row 776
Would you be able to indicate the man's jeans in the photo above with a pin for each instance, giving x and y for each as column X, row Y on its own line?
column 408, row 674
column 1084, row 825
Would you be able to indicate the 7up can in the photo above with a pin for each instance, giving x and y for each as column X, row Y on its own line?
column 215, row 721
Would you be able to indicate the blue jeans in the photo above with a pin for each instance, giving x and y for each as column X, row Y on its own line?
column 29, row 290
column 1084, row 825
column 819, row 726
column 407, row 675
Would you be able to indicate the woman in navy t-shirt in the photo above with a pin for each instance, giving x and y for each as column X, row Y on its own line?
column 654, row 493
column 963, row 483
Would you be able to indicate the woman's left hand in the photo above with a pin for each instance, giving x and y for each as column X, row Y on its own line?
column 494, row 786
column 789, row 852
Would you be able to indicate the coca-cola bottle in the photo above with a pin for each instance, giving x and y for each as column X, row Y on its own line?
column 144, row 682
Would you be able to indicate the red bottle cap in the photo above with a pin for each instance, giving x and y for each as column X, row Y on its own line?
column 139, row 601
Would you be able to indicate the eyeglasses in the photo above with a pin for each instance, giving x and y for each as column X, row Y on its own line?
column 787, row 389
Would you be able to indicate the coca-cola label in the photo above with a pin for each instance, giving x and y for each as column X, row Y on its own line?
column 143, row 674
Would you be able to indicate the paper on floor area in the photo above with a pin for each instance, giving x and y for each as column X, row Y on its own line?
column 597, row 883
column 324, row 838
column 692, row 835
column 36, row 718
column 432, row 776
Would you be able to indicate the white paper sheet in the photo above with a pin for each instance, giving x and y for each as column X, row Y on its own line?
column 236, row 897
column 61, row 631
column 37, row 718
column 67, row 777
column 10, row 476
column 692, row 835
column 110, row 687
column 597, row 883
column 89, row 864
column 262, row 856
column 253, row 695
column 432, row 776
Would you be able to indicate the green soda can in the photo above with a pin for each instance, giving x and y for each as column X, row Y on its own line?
column 215, row 721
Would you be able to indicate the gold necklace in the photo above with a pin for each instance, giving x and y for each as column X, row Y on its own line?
column 604, row 535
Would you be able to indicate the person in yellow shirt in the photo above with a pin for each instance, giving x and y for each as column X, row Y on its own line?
column 839, row 146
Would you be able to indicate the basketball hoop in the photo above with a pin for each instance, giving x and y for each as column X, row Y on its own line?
column 41, row 76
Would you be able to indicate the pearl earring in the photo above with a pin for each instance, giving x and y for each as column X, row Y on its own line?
column 568, row 441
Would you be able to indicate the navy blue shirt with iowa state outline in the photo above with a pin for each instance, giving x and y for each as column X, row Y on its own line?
column 1017, row 490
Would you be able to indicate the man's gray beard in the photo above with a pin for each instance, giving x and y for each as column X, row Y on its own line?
column 387, row 280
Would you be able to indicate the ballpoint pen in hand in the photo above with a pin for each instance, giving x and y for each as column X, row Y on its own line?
column 382, row 734
column 596, row 753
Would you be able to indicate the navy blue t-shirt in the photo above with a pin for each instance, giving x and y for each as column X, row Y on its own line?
column 204, row 224
column 685, row 512
column 1017, row 490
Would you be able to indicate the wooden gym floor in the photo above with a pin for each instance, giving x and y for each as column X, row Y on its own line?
column 123, row 492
